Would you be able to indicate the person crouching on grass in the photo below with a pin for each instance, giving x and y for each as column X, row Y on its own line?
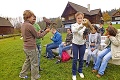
column 78, row 45
column 29, row 35
column 112, row 50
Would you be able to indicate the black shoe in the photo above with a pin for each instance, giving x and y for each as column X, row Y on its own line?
column 40, row 69
column 45, row 56
column 93, row 66
column 87, row 64
column 57, row 62
column 50, row 58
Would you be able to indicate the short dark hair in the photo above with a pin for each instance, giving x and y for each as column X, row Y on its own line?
column 69, row 29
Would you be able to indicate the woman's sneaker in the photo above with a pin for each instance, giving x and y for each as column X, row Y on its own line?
column 74, row 77
column 25, row 77
column 81, row 75
column 58, row 61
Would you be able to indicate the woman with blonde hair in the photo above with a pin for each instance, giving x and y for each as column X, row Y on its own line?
column 78, row 45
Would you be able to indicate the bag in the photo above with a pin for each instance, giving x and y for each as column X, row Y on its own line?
column 65, row 56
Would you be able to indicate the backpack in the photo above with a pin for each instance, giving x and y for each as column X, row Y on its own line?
column 65, row 56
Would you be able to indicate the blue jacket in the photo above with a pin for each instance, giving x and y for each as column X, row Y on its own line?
column 57, row 38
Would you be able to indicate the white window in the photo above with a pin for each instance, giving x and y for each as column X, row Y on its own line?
column 71, row 17
column 117, row 18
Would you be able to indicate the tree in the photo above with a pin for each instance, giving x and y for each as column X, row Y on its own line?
column 106, row 16
column 58, row 21
column 42, row 24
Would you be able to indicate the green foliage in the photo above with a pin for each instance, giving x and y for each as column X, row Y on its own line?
column 42, row 24
column 12, row 58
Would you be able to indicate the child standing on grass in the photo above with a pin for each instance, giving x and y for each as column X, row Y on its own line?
column 78, row 45
column 29, row 39
column 38, row 44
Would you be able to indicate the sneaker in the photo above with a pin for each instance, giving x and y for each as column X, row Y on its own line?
column 58, row 61
column 87, row 64
column 81, row 75
column 25, row 77
column 74, row 77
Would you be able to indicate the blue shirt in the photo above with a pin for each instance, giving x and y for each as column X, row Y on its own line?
column 57, row 38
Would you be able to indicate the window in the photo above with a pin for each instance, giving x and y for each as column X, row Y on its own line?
column 71, row 17
column 117, row 18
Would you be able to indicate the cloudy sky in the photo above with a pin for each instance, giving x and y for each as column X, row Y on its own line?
column 50, row 8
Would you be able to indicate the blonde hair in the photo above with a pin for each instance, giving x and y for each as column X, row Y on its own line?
column 27, row 14
column 79, row 13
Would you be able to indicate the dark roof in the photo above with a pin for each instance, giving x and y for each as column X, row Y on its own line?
column 82, row 9
column 113, row 15
column 5, row 22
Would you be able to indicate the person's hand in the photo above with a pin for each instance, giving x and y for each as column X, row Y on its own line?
column 41, row 31
column 47, row 30
column 108, row 36
column 92, row 49
column 64, row 44
column 51, row 37
column 92, row 44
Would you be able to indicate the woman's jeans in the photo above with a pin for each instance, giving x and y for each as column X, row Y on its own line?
column 49, row 48
column 102, row 60
column 39, row 53
column 63, row 48
column 92, row 54
column 78, row 49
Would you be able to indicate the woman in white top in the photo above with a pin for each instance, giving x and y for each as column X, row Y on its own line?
column 78, row 45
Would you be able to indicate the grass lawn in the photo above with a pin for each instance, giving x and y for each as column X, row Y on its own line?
column 117, row 26
column 12, row 58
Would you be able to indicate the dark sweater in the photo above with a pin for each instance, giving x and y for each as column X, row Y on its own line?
column 29, row 35
column 68, row 40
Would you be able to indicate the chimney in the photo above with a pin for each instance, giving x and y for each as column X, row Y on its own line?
column 88, row 7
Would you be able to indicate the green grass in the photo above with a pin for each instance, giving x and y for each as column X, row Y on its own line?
column 117, row 26
column 12, row 58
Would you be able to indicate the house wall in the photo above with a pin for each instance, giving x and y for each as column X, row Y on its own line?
column 4, row 30
column 116, row 18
